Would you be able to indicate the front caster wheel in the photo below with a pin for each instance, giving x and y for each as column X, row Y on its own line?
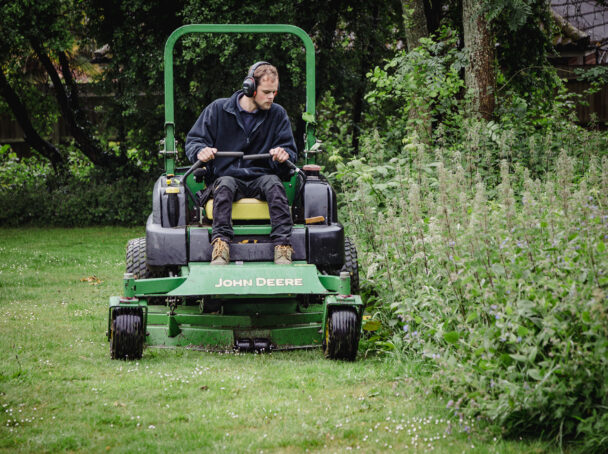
column 342, row 335
column 127, row 337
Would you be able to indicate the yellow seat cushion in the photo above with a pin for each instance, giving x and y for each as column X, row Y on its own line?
column 243, row 210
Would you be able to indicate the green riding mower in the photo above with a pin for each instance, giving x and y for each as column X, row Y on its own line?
column 174, row 297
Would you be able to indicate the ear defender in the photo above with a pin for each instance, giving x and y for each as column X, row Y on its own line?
column 249, row 83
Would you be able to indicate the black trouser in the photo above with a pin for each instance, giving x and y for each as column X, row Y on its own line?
column 267, row 187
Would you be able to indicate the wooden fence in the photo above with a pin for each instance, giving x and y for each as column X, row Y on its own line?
column 11, row 133
column 596, row 103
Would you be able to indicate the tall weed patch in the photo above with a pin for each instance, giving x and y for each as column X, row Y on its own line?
column 507, row 296
column 484, row 252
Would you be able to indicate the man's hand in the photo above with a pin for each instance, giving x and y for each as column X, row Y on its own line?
column 278, row 154
column 206, row 154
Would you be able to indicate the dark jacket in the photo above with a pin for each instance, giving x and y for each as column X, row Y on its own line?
column 220, row 126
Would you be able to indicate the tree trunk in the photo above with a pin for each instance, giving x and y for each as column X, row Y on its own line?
column 415, row 22
column 433, row 10
column 480, row 77
column 32, row 138
column 415, row 28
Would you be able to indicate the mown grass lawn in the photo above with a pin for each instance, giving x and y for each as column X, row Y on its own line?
column 59, row 390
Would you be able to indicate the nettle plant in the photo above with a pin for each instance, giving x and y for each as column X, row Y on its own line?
column 503, row 288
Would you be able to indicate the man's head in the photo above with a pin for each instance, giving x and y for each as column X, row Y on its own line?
column 262, row 84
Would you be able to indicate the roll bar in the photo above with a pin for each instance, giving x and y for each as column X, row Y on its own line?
column 169, row 147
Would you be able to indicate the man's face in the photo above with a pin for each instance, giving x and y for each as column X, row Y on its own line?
column 265, row 93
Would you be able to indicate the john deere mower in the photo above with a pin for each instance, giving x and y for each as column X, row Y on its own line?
column 174, row 297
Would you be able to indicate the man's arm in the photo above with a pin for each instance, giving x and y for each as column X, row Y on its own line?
column 283, row 145
column 202, row 136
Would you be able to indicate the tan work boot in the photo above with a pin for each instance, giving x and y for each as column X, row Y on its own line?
column 221, row 252
column 282, row 255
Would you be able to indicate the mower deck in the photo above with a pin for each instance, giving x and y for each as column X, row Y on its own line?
column 250, row 306
column 189, row 326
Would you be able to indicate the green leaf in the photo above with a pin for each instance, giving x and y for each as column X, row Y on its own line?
column 506, row 359
column 522, row 331
column 518, row 357
column 601, row 247
column 535, row 374
column 371, row 325
column 472, row 317
column 308, row 117
column 498, row 269
column 451, row 337
column 484, row 365
column 586, row 317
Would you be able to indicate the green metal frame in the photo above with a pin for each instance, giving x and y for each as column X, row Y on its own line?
column 268, row 312
column 169, row 150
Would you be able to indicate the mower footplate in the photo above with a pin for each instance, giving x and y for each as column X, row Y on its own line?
column 251, row 279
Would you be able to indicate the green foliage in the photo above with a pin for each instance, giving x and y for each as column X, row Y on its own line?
column 136, row 32
column 505, row 294
column 131, row 120
column 334, row 130
column 596, row 76
column 521, row 30
column 54, row 23
column 31, row 194
column 515, row 13
column 484, row 253
column 349, row 41
column 51, row 21
column 416, row 87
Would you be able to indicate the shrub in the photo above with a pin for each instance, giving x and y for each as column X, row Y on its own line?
column 505, row 295
column 484, row 252
column 31, row 194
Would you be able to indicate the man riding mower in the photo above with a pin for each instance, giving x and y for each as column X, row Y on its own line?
column 290, row 277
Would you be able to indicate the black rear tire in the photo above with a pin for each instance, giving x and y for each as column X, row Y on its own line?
column 342, row 335
column 136, row 264
column 136, row 259
column 127, row 337
column 351, row 265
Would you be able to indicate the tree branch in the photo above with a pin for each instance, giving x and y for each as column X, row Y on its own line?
column 32, row 138
column 73, row 98
column 68, row 104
